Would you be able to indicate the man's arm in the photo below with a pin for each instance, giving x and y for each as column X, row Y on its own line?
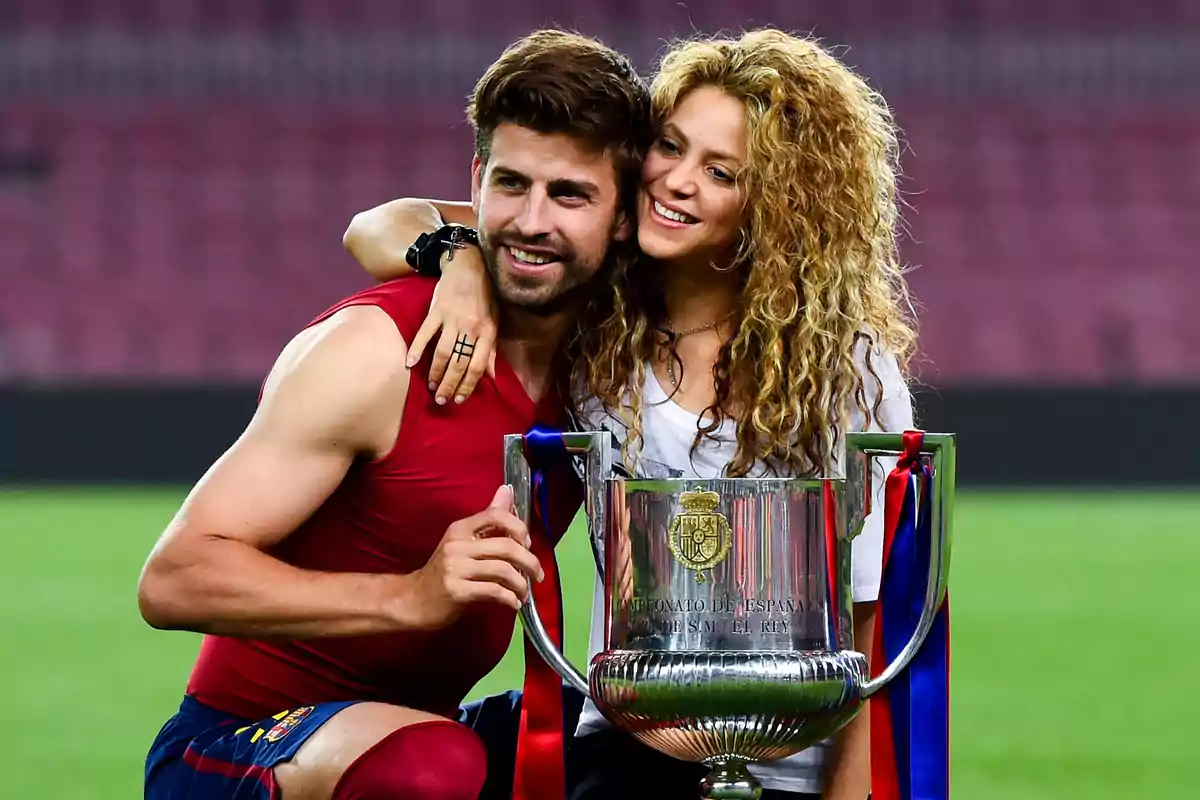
column 322, row 406
column 334, row 395
column 379, row 237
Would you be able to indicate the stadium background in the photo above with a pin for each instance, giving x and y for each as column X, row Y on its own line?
column 174, row 181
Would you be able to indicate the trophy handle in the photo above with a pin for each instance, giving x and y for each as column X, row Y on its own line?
column 597, row 460
column 861, row 450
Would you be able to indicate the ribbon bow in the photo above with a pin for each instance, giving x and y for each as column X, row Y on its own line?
column 540, row 772
column 910, row 717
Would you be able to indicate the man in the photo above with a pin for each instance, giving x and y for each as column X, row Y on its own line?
column 350, row 558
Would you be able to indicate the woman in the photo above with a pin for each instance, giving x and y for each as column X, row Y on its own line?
column 767, row 317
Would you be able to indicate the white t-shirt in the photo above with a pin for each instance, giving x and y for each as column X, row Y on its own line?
column 668, row 432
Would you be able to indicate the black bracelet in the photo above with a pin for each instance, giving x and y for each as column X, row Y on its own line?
column 425, row 254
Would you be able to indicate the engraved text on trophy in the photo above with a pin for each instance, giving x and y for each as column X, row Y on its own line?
column 725, row 616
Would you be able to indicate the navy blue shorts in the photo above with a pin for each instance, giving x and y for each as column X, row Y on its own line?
column 204, row 754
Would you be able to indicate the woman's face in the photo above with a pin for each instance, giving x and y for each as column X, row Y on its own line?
column 689, row 204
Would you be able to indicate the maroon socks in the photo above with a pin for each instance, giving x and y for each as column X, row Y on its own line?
column 435, row 760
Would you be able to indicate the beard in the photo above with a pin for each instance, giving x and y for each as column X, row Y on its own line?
column 561, row 287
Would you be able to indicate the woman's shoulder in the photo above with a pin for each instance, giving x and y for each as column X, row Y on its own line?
column 884, row 382
column 647, row 461
column 590, row 413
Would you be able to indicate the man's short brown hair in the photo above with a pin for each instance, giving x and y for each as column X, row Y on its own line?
column 555, row 81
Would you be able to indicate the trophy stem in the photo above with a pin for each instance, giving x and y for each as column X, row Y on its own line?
column 730, row 780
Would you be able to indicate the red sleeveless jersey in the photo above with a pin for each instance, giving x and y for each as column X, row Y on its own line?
column 388, row 515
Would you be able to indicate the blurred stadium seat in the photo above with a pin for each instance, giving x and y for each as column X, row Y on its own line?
column 1051, row 240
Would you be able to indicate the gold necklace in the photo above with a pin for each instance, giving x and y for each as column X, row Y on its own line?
column 674, row 336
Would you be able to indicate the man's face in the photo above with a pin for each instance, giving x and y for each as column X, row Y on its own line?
column 548, row 212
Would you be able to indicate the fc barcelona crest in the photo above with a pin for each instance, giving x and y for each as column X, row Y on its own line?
column 699, row 538
column 286, row 725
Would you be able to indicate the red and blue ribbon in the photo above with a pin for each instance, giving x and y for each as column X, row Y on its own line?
column 540, row 772
column 910, row 717
column 833, row 579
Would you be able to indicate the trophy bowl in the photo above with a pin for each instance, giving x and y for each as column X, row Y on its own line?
column 727, row 607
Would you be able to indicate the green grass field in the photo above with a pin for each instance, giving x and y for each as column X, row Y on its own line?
column 1074, row 645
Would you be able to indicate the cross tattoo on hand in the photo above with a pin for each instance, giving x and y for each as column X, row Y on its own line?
column 463, row 348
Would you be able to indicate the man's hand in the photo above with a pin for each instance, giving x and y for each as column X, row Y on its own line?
column 483, row 558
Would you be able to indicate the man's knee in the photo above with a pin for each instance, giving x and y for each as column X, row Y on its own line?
column 436, row 759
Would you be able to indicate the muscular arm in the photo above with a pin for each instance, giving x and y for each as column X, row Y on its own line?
column 379, row 237
column 332, row 396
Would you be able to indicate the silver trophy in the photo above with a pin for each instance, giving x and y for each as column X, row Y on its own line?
column 727, row 603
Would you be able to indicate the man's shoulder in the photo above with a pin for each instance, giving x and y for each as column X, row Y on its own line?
column 402, row 299
column 339, row 381
column 354, row 328
column 356, row 349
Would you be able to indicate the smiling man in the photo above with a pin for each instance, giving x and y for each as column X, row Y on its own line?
column 536, row 263
column 353, row 559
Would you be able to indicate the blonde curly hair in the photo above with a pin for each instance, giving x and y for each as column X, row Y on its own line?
column 818, row 258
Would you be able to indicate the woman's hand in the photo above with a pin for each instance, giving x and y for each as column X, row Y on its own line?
column 464, row 309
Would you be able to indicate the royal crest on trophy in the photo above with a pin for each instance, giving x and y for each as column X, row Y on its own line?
column 699, row 535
